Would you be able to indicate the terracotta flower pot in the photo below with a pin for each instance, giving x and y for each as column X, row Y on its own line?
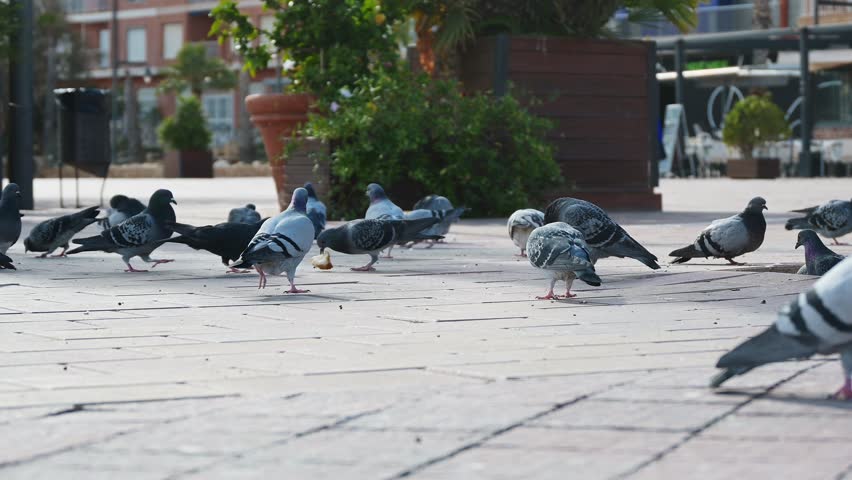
column 277, row 115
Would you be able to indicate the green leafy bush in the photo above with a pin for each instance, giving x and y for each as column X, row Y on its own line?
column 483, row 152
column 187, row 128
column 752, row 123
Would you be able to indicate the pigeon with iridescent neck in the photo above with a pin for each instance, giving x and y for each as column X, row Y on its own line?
column 281, row 243
column 382, row 208
column 819, row 259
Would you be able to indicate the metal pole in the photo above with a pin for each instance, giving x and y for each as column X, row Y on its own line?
column 816, row 12
column 679, row 63
column 21, row 112
column 113, row 137
column 805, row 108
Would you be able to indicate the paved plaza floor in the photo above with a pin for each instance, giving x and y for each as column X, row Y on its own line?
column 440, row 365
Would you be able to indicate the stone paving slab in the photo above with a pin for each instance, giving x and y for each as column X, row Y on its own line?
column 441, row 365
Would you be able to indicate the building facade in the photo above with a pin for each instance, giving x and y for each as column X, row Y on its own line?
column 150, row 34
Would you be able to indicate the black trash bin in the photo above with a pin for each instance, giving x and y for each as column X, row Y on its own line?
column 810, row 167
column 84, row 126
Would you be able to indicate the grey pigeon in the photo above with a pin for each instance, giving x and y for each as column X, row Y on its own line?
column 817, row 321
column 137, row 236
column 819, row 259
column 441, row 228
column 6, row 263
column 247, row 214
column 559, row 249
column 521, row 224
column 316, row 210
column 281, row 243
column 728, row 237
column 227, row 240
column 121, row 207
column 370, row 236
column 831, row 219
column 604, row 237
column 437, row 203
column 10, row 217
column 51, row 234
column 380, row 205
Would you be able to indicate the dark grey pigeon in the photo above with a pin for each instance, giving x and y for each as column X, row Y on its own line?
column 247, row 214
column 6, row 263
column 831, row 219
column 316, row 210
column 728, row 237
column 121, row 207
column 819, row 259
column 818, row 321
column 10, row 217
column 442, row 227
column 227, row 240
column 371, row 236
column 604, row 237
column 439, row 206
column 137, row 236
column 51, row 234
column 559, row 249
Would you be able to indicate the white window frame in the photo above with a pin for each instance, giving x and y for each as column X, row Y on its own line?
column 175, row 29
column 104, row 48
column 140, row 55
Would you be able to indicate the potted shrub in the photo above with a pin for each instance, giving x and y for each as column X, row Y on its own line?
column 750, row 126
column 187, row 138
column 323, row 45
column 599, row 91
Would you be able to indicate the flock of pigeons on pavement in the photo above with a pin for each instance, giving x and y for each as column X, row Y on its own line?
column 566, row 240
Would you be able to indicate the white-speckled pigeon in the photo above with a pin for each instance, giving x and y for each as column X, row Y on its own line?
column 831, row 219
column 247, row 214
column 137, row 236
column 316, row 210
column 559, row 249
column 604, row 237
column 521, row 224
column 817, row 321
column 371, row 236
column 10, row 217
column 728, row 237
column 121, row 207
column 51, row 234
column 227, row 240
column 281, row 243
column 819, row 259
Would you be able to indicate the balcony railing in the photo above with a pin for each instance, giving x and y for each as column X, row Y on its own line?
column 711, row 19
column 87, row 6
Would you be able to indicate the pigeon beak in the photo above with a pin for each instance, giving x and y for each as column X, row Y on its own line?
column 18, row 194
column 173, row 201
column 798, row 244
column 765, row 207
column 322, row 250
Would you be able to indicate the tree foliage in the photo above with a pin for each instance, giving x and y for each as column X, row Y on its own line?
column 752, row 123
column 193, row 70
column 187, row 128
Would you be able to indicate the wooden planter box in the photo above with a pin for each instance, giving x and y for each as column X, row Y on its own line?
column 602, row 96
column 755, row 168
column 188, row 164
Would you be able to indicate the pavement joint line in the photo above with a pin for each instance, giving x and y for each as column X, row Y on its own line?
column 236, row 456
column 496, row 433
column 711, row 423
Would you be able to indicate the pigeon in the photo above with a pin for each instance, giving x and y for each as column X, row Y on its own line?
column 819, row 259
column 561, row 250
column 281, row 243
column 121, row 207
column 10, row 217
column 831, row 219
column 817, row 321
column 51, row 234
column 371, row 236
column 316, row 210
column 380, row 205
column 437, row 203
column 227, row 240
column 247, row 214
column 441, row 228
column 521, row 224
column 728, row 237
column 6, row 263
column 137, row 236
column 604, row 237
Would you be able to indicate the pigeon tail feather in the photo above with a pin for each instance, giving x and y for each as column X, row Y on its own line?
column 768, row 347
